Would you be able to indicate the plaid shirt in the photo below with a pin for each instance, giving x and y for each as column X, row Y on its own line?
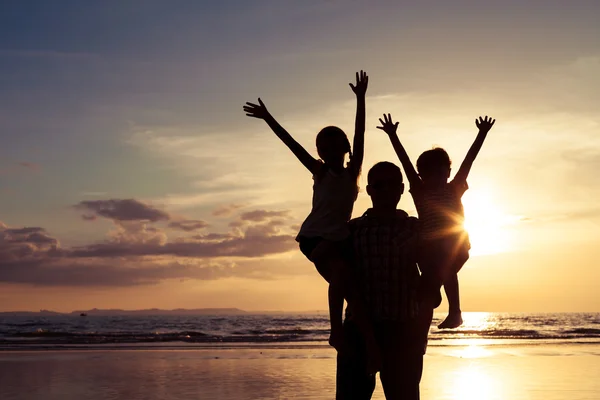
column 386, row 264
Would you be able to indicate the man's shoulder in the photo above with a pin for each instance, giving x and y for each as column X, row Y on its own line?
column 409, row 221
column 355, row 222
column 409, row 228
column 401, row 217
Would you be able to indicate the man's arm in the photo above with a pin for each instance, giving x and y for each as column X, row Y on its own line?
column 484, row 125
column 358, row 147
column 260, row 111
column 390, row 128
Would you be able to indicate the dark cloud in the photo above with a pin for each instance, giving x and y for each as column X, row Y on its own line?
column 100, row 273
column 188, row 225
column 258, row 242
column 25, row 244
column 23, row 231
column 122, row 210
column 137, row 253
column 104, row 273
column 32, row 237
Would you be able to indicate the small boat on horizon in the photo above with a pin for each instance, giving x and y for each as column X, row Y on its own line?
column 83, row 314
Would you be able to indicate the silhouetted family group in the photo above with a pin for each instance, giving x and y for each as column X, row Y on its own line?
column 389, row 266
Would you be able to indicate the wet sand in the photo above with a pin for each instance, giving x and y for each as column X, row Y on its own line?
column 531, row 372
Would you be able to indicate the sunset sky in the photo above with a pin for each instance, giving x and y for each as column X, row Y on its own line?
column 131, row 178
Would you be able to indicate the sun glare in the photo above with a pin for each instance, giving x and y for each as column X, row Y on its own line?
column 486, row 224
column 473, row 383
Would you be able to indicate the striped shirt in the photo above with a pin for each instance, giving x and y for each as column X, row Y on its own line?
column 440, row 209
column 386, row 264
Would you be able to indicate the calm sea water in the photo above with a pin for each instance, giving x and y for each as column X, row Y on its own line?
column 280, row 330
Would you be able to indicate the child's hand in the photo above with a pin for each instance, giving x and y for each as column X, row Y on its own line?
column 362, row 81
column 387, row 125
column 257, row 110
column 484, row 124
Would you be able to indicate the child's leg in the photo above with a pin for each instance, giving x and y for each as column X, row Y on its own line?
column 452, row 293
column 454, row 318
column 336, row 307
column 323, row 256
column 458, row 254
column 431, row 280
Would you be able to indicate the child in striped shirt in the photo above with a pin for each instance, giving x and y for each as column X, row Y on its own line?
column 444, row 243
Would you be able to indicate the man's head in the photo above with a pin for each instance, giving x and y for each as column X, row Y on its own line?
column 434, row 166
column 384, row 185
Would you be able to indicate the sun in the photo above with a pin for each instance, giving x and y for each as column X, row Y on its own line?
column 486, row 223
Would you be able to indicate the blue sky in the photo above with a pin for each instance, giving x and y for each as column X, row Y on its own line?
column 142, row 100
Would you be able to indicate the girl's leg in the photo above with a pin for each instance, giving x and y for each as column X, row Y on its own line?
column 454, row 318
column 336, row 309
column 323, row 256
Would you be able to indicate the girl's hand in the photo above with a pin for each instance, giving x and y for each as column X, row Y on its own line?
column 387, row 125
column 484, row 124
column 362, row 81
column 257, row 110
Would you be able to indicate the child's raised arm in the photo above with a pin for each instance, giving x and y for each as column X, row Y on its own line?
column 358, row 147
column 390, row 128
column 484, row 125
column 260, row 111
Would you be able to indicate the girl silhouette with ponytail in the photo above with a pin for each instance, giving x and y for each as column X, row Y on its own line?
column 324, row 235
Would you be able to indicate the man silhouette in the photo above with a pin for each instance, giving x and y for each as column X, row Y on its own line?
column 385, row 250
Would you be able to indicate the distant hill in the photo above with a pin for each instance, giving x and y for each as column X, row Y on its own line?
column 40, row 313
column 156, row 311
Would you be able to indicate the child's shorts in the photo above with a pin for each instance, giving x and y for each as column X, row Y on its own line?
column 308, row 244
column 343, row 248
column 446, row 253
column 438, row 260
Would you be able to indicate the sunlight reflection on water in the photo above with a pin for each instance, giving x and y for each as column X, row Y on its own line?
column 479, row 321
column 472, row 383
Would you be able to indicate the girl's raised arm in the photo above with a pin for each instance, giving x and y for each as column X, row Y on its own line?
column 358, row 147
column 260, row 111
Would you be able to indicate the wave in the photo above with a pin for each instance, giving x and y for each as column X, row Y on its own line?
column 264, row 336
column 274, row 329
column 495, row 333
column 584, row 331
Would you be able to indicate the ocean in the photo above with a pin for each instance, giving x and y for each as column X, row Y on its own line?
column 493, row 356
column 56, row 332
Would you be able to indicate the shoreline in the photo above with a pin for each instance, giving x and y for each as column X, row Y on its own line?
column 468, row 372
column 299, row 345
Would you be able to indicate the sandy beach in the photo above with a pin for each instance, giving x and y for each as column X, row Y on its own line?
column 474, row 371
